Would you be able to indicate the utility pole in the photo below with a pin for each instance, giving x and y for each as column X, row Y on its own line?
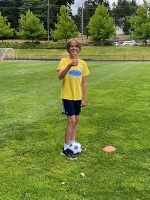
column 82, row 21
column 48, row 20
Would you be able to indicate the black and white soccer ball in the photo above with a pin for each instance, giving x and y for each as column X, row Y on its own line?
column 75, row 147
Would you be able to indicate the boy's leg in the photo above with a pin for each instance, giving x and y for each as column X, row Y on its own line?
column 77, row 109
column 73, row 136
column 70, row 132
column 72, row 109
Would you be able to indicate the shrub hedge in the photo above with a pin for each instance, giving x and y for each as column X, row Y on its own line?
column 30, row 45
column 47, row 45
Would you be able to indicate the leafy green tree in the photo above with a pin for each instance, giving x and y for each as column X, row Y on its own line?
column 140, row 23
column 65, row 28
column 38, row 7
column 89, row 8
column 30, row 27
column 5, row 30
column 101, row 25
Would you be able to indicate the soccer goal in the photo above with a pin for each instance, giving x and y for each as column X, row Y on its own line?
column 6, row 53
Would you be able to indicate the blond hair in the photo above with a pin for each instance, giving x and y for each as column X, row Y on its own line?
column 76, row 41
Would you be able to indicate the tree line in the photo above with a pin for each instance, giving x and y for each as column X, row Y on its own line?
column 34, row 19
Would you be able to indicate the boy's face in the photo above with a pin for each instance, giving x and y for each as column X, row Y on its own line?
column 74, row 49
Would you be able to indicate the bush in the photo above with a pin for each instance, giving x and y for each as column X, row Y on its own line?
column 30, row 45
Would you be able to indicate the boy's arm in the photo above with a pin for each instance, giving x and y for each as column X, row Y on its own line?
column 62, row 72
column 84, row 89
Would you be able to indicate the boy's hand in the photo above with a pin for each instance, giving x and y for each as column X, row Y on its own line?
column 75, row 61
column 83, row 103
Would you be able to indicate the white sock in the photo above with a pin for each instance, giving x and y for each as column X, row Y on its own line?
column 66, row 146
column 71, row 141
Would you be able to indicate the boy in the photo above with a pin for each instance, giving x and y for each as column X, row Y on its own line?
column 73, row 72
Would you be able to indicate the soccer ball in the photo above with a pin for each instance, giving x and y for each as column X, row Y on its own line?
column 75, row 147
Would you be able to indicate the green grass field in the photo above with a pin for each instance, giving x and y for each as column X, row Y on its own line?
column 32, row 134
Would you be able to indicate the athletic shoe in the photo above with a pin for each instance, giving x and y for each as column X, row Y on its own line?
column 69, row 154
column 83, row 149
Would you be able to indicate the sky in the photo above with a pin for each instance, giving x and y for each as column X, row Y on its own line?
column 78, row 3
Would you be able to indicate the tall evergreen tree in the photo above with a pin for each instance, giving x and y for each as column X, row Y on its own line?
column 10, row 10
column 122, row 11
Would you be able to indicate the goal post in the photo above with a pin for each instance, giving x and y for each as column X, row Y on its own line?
column 6, row 52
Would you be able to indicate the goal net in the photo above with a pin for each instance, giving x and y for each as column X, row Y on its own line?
column 6, row 53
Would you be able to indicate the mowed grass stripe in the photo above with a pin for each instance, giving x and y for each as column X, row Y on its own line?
column 32, row 133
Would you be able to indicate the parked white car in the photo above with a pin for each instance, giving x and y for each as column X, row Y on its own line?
column 130, row 43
